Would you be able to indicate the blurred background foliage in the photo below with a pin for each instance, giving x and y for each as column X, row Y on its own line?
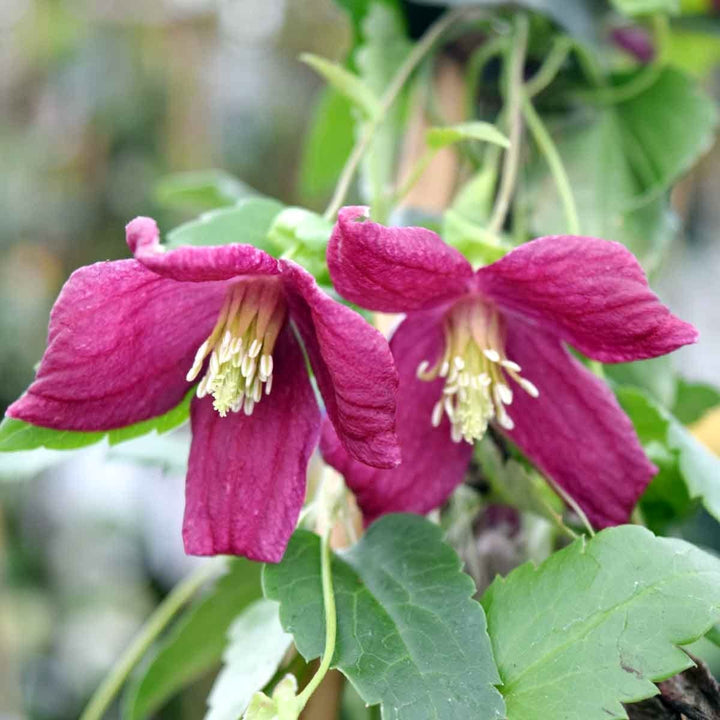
column 99, row 99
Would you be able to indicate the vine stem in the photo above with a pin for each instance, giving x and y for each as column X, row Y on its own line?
column 330, row 621
column 511, row 161
column 413, row 59
column 552, row 156
column 164, row 613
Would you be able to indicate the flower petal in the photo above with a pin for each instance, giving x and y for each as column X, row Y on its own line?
column 592, row 293
column 392, row 269
column 195, row 264
column 433, row 465
column 575, row 431
column 121, row 341
column 353, row 368
column 246, row 475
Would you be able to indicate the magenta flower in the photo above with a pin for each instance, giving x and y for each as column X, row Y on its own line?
column 488, row 347
column 128, row 337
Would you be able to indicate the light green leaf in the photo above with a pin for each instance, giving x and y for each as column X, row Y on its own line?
column 693, row 400
column 19, row 435
column 195, row 644
column 345, row 82
column 283, row 705
column 295, row 225
column 256, row 646
column 326, row 147
column 440, row 137
column 646, row 7
column 464, row 223
column 598, row 622
column 656, row 376
column 247, row 222
column 621, row 163
column 384, row 49
column 409, row 634
column 199, row 191
column 698, row 467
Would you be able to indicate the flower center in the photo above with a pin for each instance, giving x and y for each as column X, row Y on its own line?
column 240, row 347
column 476, row 372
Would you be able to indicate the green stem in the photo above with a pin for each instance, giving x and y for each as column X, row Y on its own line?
column 423, row 46
column 644, row 79
column 330, row 621
column 550, row 67
column 486, row 52
column 552, row 156
column 572, row 503
column 414, row 175
column 511, row 161
column 157, row 622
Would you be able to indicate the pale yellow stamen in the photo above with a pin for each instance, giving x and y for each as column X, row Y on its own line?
column 476, row 372
column 240, row 347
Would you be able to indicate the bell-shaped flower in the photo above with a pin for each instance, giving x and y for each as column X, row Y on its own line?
column 128, row 338
column 489, row 347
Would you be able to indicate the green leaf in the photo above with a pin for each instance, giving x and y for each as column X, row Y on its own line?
column 384, row 49
column 656, row 376
column 440, row 137
column 580, row 17
column 465, row 221
column 696, row 465
column 195, row 644
column 693, row 400
column 19, row 435
column 516, row 485
column 247, row 222
column 256, row 646
column 199, row 191
column 409, row 634
column 646, row 7
column 327, row 146
column 598, row 622
column 621, row 163
column 296, row 225
column 345, row 82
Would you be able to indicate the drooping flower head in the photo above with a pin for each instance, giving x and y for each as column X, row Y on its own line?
column 488, row 347
column 127, row 338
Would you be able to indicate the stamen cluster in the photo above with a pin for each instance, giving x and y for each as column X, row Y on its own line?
column 476, row 372
column 240, row 347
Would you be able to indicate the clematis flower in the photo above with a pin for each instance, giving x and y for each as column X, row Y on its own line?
column 488, row 347
column 127, row 338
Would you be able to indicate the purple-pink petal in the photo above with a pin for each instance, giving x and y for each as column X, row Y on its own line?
column 353, row 368
column 575, row 431
column 120, row 343
column 591, row 293
column 392, row 269
column 195, row 264
column 432, row 464
column 246, row 475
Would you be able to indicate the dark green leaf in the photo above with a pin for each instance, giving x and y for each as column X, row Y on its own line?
column 664, row 437
column 200, row 191
column 622, row 160
column 248, row 222
column 256, row 646
column 195, row 644
column 693, row 400
column 598, row 622
column 409, row 634
column 19, row 435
